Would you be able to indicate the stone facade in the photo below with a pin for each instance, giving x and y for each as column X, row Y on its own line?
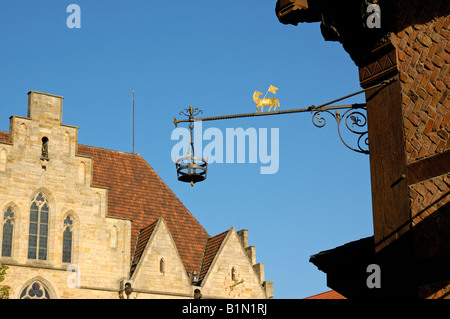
column 235, row 259
column 39, row 158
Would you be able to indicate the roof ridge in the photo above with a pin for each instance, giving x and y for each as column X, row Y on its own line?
column 152, row 224
column 108, row 149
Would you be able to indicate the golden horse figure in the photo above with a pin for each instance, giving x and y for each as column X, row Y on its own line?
column 269, row 101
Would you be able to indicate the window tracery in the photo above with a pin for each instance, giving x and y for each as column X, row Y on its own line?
column 67, row 240
column 8, row 229
column 35, row 290
column 38, row 230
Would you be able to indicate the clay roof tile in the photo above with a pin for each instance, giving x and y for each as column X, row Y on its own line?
column 135, row 191
column 211, row 249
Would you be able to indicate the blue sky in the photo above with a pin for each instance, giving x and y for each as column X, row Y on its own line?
column 212, row 55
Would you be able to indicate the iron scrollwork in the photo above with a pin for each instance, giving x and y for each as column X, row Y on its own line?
column 191, row 112
column 355, row 121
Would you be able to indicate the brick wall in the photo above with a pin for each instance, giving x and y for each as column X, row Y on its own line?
column 423, row 56
column 423, row 60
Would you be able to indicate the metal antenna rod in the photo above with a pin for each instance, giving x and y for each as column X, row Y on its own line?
column 133, row 123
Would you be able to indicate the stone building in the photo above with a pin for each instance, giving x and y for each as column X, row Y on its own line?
column 402, row 51
column 84, row 222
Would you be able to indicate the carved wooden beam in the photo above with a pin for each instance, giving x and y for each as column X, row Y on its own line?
column 348, row 22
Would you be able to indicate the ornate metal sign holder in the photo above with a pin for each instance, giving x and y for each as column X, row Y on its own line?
column 354, row 117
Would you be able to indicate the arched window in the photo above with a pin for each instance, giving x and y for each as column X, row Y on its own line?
column 8, row 228
column 35, row 290
column 67, row 241
column 44, row 153
column 38, row 231
column 162, row 266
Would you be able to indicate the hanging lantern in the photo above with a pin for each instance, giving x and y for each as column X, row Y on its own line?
column 191, row 169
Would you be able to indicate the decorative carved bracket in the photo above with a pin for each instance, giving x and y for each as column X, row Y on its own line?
column 343, row 21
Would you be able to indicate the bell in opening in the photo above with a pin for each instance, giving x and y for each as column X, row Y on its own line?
column 44, row 153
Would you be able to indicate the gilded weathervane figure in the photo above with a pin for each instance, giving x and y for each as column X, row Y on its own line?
column 271, row 101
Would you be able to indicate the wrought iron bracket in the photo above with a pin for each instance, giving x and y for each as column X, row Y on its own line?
column 354, row 117
column 355, row 120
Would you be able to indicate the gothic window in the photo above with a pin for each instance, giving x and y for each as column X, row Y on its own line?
column 38, row 231
column 67, row 240
column 8, row 228
column 35, row 290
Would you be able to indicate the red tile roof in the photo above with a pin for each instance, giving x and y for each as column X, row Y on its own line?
column 136, row 192
column 327, row 295
column 4, row 137
column 143, row 237
column 211, row 249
